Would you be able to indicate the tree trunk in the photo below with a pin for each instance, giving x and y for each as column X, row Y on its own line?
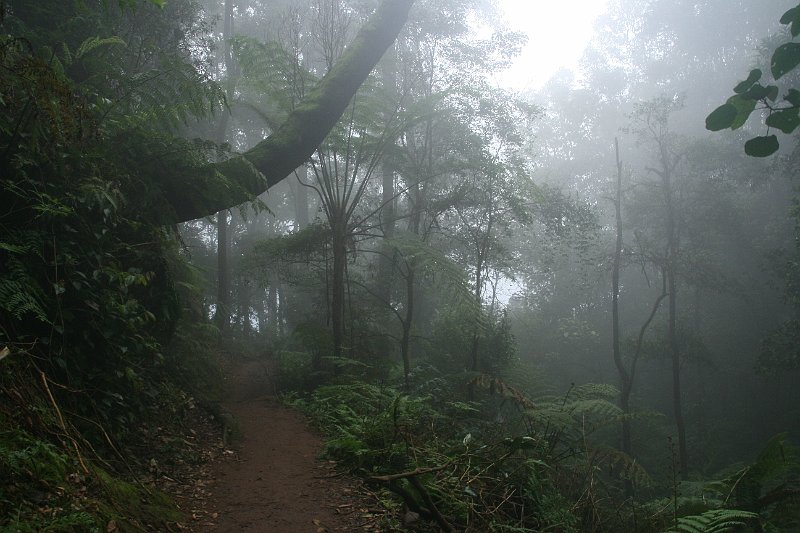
column 624, row 377
column 272, row 309
column 385, row 259
column 677, row 404
column 262, row 313
column 405, row 342
column 244, row 307
column 339, row 246
column 223, row 281
column 672, row 333
column 222, row 315
column 300, row 199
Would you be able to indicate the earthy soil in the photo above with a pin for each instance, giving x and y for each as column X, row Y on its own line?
column 269, row 478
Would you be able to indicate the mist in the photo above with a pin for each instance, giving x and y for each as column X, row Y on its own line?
column 490, row 286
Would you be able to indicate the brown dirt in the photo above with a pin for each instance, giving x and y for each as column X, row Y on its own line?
column 271, row 480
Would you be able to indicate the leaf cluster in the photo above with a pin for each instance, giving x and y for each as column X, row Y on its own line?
column 786, row 117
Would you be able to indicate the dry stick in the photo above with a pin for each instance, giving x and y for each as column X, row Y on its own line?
column 61, row 423
column 441, row 520
column 114, row 448
column 410, row 474
column 431, row 510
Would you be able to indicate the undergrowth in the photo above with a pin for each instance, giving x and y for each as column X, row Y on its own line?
column 507, row 462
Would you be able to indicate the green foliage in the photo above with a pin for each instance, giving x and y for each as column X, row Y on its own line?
column 90, row 282
column 761, row 146
column 368, row 426
column 714, row 521
column 735, row 112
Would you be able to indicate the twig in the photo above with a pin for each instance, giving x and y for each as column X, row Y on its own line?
column 409, row 474
column 441, row 520
column 62, row 424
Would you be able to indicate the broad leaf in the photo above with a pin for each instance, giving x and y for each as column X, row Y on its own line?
column 744, row 108
column 753, row 77
column 792, row 17
column 722, row 117
column 761, row 146
column 785, row 120
column 793, row 97
column 785, row 58
column 760, row 92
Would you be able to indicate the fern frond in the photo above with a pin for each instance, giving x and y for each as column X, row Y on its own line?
column 498, row 386
column 594, row 390
column 93, row 43
column 624, row 465
column 713, row 521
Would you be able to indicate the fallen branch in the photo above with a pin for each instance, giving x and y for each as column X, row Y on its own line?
column 430, row 512
column 409, row 474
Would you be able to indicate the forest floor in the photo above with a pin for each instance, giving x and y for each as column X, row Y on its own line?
column 269, row 478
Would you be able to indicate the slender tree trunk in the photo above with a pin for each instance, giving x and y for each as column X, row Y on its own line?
column 702, row 420
column 476, row 338
column 405, row 342
column 223, row 273
column 672, row 333
column 222, row 315
column 300, row 199
column 339, row 245
column 262, row 313
column 624, row 377
column 272, row 308
column 244, row 307
column 385, row 260
column 677, row 403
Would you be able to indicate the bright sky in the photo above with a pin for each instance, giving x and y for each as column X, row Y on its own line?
column 558, row 31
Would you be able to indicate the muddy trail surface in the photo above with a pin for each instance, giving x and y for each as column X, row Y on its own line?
column 269, row 478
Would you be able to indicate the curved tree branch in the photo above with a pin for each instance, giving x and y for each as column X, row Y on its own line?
column 301, row 133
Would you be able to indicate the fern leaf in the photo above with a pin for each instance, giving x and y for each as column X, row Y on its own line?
column 501, row 388
column 713, row 521
column 93, row 43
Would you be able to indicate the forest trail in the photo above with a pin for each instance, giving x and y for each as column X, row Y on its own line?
column 273, row 482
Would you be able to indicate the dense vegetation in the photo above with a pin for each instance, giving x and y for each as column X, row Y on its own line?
column 573, row 309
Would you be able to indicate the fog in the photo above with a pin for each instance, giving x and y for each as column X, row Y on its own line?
column 541, row 275
column 468, row 181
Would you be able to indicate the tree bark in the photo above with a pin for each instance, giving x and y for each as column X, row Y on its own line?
column 223, row 274
column 672, row 287
column 339, row 244
column 301, row 133
column 405, row 341
column 222, row 315
column 385, row 259
column 300, row 199
column 624, row 376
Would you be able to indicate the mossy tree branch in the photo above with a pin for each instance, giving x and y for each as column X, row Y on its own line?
column 234, row 181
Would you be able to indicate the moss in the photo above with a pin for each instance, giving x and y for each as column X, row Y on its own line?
column 132, row 506
column 42, row 490
column 38, row 492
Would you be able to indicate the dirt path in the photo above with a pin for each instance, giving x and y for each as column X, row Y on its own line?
column 272, row 481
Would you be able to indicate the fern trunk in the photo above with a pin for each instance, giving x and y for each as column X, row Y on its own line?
column 339, row 246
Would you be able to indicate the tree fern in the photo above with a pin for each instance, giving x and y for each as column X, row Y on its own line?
column 436, row 265
column 617, row 462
